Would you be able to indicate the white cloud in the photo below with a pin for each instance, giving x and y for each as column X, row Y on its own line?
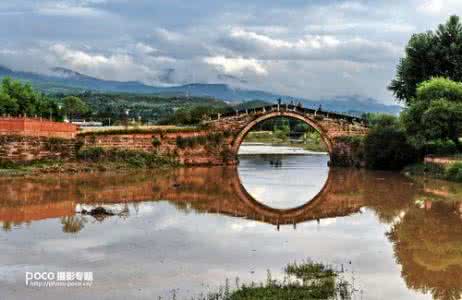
column 115, row 66
column 69, row 9
column 236, row 65
column 431, row 7
column 440, row 7
column 310, row 47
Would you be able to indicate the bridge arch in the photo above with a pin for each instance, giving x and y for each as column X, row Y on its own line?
column 274, row 114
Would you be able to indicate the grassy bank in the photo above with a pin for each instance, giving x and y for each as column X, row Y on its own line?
column 451, row 172
column 310, row 141
column 90, row 160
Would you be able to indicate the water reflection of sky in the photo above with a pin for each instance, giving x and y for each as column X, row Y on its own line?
column 175, row 238
column 283, row 181
column 163, row 249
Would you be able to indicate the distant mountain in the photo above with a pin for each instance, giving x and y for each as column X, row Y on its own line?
column 62, row 80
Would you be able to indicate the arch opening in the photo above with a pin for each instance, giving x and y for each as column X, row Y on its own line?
column 282, row 175
column 240, row 138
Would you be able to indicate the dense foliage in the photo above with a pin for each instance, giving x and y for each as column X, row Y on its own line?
column 18, row 99
column 386, row 146
column 435, row 113
column 428, row 55
column 74, row 106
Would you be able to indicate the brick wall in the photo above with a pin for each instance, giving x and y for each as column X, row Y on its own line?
column 28, row 148
column 37, row 127
column 205, row 154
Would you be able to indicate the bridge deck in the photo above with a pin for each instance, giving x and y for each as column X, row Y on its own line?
column 291, row 107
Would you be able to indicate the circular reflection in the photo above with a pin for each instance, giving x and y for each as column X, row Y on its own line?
column 283, row 181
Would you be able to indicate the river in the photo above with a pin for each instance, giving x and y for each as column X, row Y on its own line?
column 186, row 231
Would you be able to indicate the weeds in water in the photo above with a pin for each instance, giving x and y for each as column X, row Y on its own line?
column 306, row 280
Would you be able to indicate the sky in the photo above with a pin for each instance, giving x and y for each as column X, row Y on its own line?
column 311, row 49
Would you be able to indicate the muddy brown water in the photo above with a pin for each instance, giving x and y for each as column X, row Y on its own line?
column 189, row 229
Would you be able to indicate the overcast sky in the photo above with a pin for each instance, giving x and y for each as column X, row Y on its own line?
column 312, row 49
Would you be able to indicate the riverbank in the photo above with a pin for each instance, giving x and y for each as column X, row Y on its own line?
column 445, row 168
column 90, row 160
column 312, row 142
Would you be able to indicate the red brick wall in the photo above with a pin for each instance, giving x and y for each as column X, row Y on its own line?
column 19, row 148
column 197, row 155
column 36, row 127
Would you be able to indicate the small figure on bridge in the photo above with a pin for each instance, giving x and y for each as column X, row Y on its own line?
column 279, row 101
column 299, row 104
column 320, row 107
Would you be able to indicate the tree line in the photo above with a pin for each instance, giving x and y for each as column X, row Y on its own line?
column 20, row 99
column 428, row 82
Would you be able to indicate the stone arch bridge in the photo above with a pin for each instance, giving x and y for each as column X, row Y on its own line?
column 334, row 128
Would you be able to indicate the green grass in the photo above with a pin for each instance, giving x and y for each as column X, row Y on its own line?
column 90, row 159
column 454, row 172
column 307, row 280
column 134, row 159
column 140, row 130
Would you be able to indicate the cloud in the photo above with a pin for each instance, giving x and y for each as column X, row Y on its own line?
column 71, row 9
column 289, row 47
column 440, row 7
column 236, row 66
column 114, row 67
column 309, row 47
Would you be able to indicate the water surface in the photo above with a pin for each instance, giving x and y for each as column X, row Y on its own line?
column 189, row 229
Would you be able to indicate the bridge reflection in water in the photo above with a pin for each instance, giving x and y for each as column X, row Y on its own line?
column 423, row 217
column 215, row 190
column 205, row 190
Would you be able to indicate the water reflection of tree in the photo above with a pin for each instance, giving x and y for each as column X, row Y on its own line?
column 73, row 224
column 388, row 194
column 428, row 245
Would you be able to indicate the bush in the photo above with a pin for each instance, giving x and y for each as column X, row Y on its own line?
column 91, row 154
column 454, row 172
column 156, row 142
column 441, row 147
column 387, row 148
column 181, row 142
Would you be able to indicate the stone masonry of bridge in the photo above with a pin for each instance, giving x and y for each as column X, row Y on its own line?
column 335, row 129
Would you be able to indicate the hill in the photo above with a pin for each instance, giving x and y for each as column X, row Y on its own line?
column 62, row 80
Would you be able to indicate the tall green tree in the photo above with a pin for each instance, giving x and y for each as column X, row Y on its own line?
column 74, row 106
column 429, row 54
column 8, row 106
column 436, row 112
column 23, row 95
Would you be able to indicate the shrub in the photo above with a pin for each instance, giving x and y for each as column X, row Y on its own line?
column 202, row 140
column 56, row 145
column 441, row 147
column 91, row 154
column 156, row 142
column 454, row 172
column 387, row 148
column 181, row 142
column 348, row 152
